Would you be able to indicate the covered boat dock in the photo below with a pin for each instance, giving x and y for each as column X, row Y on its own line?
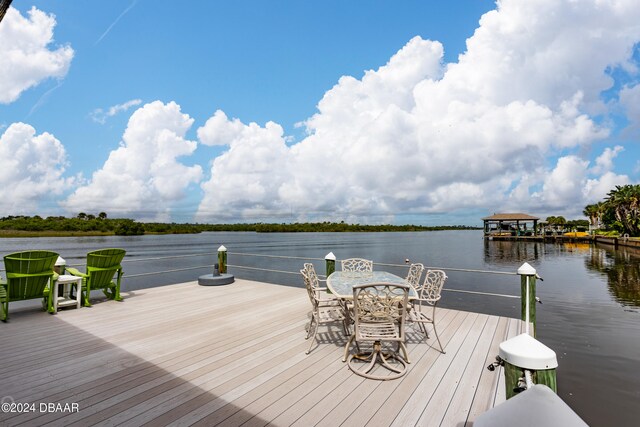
column 510, row 225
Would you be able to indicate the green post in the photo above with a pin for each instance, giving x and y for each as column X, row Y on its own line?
column 222, row 259
column 528, row 296
column 513, row 374
column 330, row 264
column 547, row 377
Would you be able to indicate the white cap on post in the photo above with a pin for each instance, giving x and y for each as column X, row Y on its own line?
column 330, row 257
column 526, row 270
column 222, row 249
column 60, row 261
column 527, row 352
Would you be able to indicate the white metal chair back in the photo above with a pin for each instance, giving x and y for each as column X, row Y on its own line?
column 429, row 293
column 376, row 306
column 311, row 283
column 431, row 290
column 357, row 265
column 414, row 275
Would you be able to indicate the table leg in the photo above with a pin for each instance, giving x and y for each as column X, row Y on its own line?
column 55, row 297
column 79, row 293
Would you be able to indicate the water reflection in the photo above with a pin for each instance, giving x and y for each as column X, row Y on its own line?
column 508, row 252
column 503, row 252
column 622, row 268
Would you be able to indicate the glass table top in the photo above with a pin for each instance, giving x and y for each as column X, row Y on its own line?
column 341, row 283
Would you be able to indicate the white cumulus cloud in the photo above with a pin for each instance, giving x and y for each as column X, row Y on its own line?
column 143, row 178
column 630, row 100
column 604, row 162
column 238, row 184
column 26, row 58
column 31, row 170
column 419, row 136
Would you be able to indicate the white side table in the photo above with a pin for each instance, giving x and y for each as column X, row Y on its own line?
column 65, row 300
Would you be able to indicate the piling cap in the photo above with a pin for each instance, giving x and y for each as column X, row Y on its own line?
column 330, row 257
column 222, row 249
column 526, row 270
column 60, row 261
column 526, row 352
column 537, row 406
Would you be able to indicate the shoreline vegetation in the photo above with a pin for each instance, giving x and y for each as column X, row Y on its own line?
column 91, row 225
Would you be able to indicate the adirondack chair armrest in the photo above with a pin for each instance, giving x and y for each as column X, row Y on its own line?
column 76, row 272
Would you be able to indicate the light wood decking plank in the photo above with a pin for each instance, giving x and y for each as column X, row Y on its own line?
column 239, row 410
column 458, row 409
column 393, row 394
column 151, row 345
column 489, row 379
column 189, row 355
column 446, row 370
column 126, row 402
column 423, row 358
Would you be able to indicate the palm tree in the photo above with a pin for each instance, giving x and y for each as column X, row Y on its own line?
column 624, row 203
column 557, row 222
column 594, row 213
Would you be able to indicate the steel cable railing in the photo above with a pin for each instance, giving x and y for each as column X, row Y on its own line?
column 406, row 265
column 130, row 260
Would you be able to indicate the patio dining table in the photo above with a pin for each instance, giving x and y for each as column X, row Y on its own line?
column 341, row 283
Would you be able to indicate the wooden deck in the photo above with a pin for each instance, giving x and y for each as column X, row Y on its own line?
column 234, row 355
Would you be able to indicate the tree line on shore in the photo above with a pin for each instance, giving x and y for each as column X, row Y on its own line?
column 102, row 225
column 618, row 213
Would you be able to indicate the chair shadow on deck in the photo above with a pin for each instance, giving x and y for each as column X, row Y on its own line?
column 333, row 335
column 328, row 334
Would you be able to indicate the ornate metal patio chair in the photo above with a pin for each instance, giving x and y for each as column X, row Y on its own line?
column 30, row 275
column 326, row 308
column 379, row 312
column 102, row 266
column 357, row 264
column 414, row 275
column 429, row 293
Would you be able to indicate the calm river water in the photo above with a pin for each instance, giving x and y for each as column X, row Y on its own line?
column 590, row 314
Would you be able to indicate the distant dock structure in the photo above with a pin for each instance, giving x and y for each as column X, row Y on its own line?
column 521, row 226
column 510, row 225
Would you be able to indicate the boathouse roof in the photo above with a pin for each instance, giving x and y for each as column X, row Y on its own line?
column 510, row 217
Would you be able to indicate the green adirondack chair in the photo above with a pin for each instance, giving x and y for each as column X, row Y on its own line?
column 30, row 275
column 102, row 266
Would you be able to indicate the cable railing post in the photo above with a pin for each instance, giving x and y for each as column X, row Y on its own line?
column 330, row 263
column 528, row 296
column 222, row 259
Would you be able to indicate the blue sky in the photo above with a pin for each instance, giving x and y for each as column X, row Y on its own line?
column 423, row 112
